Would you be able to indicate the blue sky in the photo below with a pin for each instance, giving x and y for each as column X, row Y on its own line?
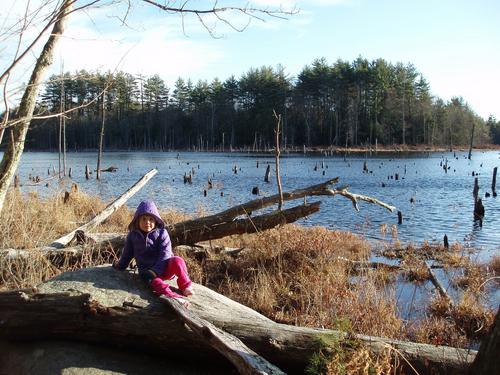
column 453, row 43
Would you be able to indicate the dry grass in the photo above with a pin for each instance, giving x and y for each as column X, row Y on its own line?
column 438, row 331
column 293, row 275
column 494, row 265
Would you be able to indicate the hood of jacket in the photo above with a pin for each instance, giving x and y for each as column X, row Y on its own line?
column 149, row 208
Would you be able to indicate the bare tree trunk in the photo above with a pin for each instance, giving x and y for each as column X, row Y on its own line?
column 278, row 177
column 15, row 147
column 101, row 137
column 471, row 140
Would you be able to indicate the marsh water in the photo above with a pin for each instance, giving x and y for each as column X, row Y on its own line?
column 434, row 202
column 433, row 191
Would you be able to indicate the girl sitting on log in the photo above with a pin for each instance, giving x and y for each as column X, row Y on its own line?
column 149, row 243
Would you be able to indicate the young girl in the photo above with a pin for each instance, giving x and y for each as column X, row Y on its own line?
column 149, row 243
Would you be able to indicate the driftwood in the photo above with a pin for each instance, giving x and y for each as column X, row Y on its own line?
column 104, row 214
column 104, row 305
column 243, row 358
column 437, row 284
column 226, row 223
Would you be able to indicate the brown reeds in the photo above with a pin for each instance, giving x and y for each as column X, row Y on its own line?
column 293, row 275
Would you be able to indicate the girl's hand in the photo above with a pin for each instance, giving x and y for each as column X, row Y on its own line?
column 148, row 276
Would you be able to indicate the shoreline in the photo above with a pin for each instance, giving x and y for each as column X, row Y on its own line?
column 331, row 150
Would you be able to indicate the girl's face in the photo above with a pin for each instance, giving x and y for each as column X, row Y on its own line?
column 147, row 223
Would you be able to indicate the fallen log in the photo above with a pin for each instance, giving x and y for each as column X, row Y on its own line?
column 245, row 359
column 246, row 209
column 204, row 229
column 103, row 305
column 437, row 284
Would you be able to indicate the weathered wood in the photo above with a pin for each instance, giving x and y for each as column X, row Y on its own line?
column 494, row 182
column 268, row 173
column 241, row 356
column 193, row 231
column 264, row 202
column 112, row 207
column 95, row 305
column 442, row 291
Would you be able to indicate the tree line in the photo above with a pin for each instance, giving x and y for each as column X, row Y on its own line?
column 341, row 104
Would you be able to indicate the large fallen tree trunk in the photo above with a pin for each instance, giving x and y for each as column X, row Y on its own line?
column 103, row 305
column 244, row 359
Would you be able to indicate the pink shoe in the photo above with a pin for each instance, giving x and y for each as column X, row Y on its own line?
column 189, row 291
column 161, row 288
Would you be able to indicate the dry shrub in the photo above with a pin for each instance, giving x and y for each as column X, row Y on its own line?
column 293, row 275
column 454, row 259
column 494, row 266
column 472, row 278
column 438, row 331
column 21, row 272
column 471, row 317
column 348, row 356
column 28, row 221
column 171, row 216
column 362, row 361
column 415, row 269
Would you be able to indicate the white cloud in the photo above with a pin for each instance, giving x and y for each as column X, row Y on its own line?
column 158, row 50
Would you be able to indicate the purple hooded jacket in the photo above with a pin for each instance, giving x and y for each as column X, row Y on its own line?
column 150, row 250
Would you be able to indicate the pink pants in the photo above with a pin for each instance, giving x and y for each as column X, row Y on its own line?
column 176, row 266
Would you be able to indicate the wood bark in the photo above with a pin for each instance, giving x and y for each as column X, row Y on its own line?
column 206, row 228
column 104, row 305
column 15, row 146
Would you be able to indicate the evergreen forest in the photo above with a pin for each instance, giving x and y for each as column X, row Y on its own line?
column 356, row 103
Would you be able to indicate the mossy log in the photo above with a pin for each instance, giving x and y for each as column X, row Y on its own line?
column 110, row 307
